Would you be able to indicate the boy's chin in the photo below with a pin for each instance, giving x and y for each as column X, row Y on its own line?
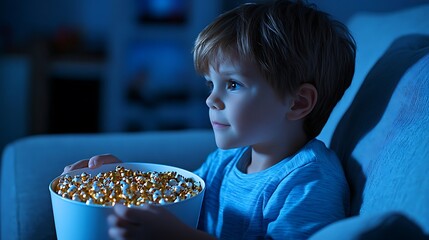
column 225, row 145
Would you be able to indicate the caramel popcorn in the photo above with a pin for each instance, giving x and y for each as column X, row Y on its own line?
column 127, row 187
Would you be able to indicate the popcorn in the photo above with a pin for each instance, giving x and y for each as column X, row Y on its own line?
column 128, row 187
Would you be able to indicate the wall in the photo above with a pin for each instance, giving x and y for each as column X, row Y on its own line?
column 343, row 10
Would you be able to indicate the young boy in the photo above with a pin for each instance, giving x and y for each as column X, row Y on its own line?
column 275, row 72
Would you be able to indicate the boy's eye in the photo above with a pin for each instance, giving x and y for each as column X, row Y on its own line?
column 209, row 85
column 232, row 85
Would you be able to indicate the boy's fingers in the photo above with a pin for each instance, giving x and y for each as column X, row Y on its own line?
column 79, row 164
column 120, row 228
column 114, row 221
column 118, row 233
column 93, row 162
column 99, row 160
column 134, row 215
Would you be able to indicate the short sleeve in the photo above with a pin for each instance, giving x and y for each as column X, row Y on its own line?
column 304, row 202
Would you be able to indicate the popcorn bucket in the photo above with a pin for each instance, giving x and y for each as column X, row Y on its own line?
column 79, row 220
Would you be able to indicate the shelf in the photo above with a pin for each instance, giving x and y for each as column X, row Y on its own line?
column 78, row 69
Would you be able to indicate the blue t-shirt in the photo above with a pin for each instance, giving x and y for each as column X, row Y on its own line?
column 290, row 200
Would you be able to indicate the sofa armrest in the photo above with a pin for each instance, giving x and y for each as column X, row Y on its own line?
column 383, row 225
column 29, row 164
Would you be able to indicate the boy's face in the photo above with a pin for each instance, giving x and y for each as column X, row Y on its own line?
column 244, row 109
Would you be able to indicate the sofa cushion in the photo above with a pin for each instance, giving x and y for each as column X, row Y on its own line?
column 392, row 226
column 382, row 139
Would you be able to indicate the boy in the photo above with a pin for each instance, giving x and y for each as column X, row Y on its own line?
column 275, row 72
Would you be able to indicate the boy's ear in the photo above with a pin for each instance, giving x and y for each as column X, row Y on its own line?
column 303, row 102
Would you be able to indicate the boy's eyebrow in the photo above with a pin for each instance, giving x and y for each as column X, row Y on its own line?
column 228, row 72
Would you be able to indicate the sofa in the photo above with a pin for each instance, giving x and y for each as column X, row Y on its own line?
column 379, row 130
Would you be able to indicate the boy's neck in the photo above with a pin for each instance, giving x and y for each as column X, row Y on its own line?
column 264, row 157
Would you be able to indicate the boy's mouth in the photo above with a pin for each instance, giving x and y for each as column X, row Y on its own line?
column 219, row 125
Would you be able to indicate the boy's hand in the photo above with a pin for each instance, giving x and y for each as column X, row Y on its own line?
column 93, row 162
column 145, row 222
column 149, row 222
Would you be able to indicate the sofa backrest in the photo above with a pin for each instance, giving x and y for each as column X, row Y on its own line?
column 382, row 137
column 374, row 33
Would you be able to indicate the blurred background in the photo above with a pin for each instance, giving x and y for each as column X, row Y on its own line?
column 91, row 66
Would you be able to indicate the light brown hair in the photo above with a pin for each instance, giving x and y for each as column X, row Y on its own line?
column 292, row 43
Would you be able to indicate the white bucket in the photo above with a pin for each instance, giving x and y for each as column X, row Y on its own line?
column 76, row 220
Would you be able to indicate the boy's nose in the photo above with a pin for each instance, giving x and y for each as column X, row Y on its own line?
column 214, row 102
